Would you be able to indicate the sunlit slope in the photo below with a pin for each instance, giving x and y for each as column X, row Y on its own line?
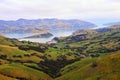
column 105, row 68
column 5, row 41
column 22, row 72
column 16, row 64
column 3, row 77
column 10, row 51
column 9, row 42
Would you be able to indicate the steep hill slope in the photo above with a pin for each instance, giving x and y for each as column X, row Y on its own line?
column 5, row 41
column 21, row 72
column 105, row 68
column 16, row 64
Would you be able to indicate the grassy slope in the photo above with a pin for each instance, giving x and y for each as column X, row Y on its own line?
column 10, row 51
column 77, row 65
column 5, row 41
column 3, row 77
column 94, row 43
column 18, row 71
column 105, row 68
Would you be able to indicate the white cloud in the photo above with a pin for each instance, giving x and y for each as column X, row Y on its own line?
column 80, row 9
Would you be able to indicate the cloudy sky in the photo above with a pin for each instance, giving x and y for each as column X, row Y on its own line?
column 98, row 11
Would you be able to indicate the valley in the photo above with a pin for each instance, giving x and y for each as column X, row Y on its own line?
column 59, row 39
column 87, row 54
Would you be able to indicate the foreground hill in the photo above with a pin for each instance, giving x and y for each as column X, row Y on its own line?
column 14, row 62
column 21, row 72
column 8, row 41
column 104, row 68
column 43, row 25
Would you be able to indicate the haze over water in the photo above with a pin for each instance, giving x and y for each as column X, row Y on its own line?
column 20, row 36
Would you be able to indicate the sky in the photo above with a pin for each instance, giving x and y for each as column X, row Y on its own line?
column 96, row 11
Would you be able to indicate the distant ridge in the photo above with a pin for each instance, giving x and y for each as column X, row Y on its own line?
column 113, row 23
column 38, row 25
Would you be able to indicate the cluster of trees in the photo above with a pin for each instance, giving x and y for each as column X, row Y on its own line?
column 39, row 48
column 52, row 67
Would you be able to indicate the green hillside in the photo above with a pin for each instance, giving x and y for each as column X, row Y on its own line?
column 16, row 64
column 105, row 68
column 21, row 72
column 91, row 43
column 5, row 41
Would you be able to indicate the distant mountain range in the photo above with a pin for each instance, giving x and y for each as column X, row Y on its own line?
column 100, row 30
column 45, row 25
column 113, row 23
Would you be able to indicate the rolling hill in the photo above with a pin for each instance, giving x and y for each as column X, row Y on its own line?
column 104, row 68
column 14, row 62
